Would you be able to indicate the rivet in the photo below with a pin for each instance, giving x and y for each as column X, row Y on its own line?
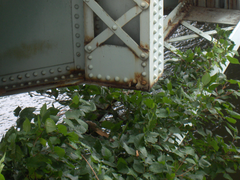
column 143, row 55
column 68, row 68
column 21, row 84
column 29, row 83
column 6, row 87
column 155, row 12
column 4, row 80
column 90, row 75
column 114, row 27
column 144, row 74
column 144, row 64
column 117, row 78
column 11, row 78
column 154, row 3
column 154, row 32
column 51, row 71
column 99, row 76
column 159, row 71
column 78, row 44
column 19, row 77
column 63, row 77
column 154, row 41
column 37, row 82
column 155, row 76
column 77, row 26
column 159, row 17
column 14, row 86
column 27, row 75
column 108, row 78
column 159, row 54
column 154, row 68
column 55, row 78
column 76, row 6
column 154, row 59
column 90, row 67
column 90, row 57
column 43, row 72
column 159, row 36
column 46, row 80
column 143, row 5
column 76, row 16
column 35, row 74
column 160, row 7
column 78, row 54
column 79, row 74
column 154, row 22
column 59, row 70
column 78, row 67
column 159, row 27
column 77, row 35
column 125, row 79
column 71, row 75
column 159, row 62
column 159, row 45
column 155, row 50
column 89, row 48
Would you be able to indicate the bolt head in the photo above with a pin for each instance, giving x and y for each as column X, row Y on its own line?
column 59, row 70
column 117, row 78
column 143, row 4
column 108, row 78
column 89, row 57
column 89, row 48
column 114, row 27
column 144, row 74
column 99, row 76
column 90, row 67
column 144, row 64
column 90, row 75
column 125, row 79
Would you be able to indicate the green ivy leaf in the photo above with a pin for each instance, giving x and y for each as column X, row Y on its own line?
column 27, row 125
column 43, row 110
column 231, row 120
column 206, row 78
column 50, row 125
column 75, row 99
column 233, row 60
column 138, row 166
column 62, row 129
column 129, row 150
column 59, row 151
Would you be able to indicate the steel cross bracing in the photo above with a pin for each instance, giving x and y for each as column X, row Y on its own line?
column 182, row 13
column 135, row 65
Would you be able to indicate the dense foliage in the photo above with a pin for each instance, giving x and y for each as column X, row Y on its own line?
column 108, row 133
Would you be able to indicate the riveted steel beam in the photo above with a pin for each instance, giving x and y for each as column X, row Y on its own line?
column 116, row 28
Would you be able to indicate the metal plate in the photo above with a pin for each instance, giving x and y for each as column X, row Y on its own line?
column 40, row 42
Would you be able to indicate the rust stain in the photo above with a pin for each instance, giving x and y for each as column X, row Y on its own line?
column 26, row 51
column 97, row 44
column 144, row 48
column 87, row 39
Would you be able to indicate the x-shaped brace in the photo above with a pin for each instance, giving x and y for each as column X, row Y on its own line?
column 115, row 27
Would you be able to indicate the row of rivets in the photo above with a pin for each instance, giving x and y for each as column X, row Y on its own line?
column 45, row 80
column 35, row 74
column 99, row 76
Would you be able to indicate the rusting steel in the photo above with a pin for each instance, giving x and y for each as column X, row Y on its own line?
column 213, row 15
column 174, row 19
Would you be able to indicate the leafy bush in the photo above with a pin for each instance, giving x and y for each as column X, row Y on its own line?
column 108, row 133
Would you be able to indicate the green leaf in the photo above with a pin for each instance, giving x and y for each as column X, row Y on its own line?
column 43, row 142
column 227, row 176
column 75, row 99
column 234, row 114
column 161, row 113
column 233, row 60
column 139, row 140
column 43, row 110
column 156, row 168
column 2, row 177
column 231, row 120
column 206, row 78
column 129, row 150
column 59, row 151
column 149, row 103
column 138, row 166
column 62, row 129
column 50, row 125
column 69, row 122
column 229, row 131
column 27, row 125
